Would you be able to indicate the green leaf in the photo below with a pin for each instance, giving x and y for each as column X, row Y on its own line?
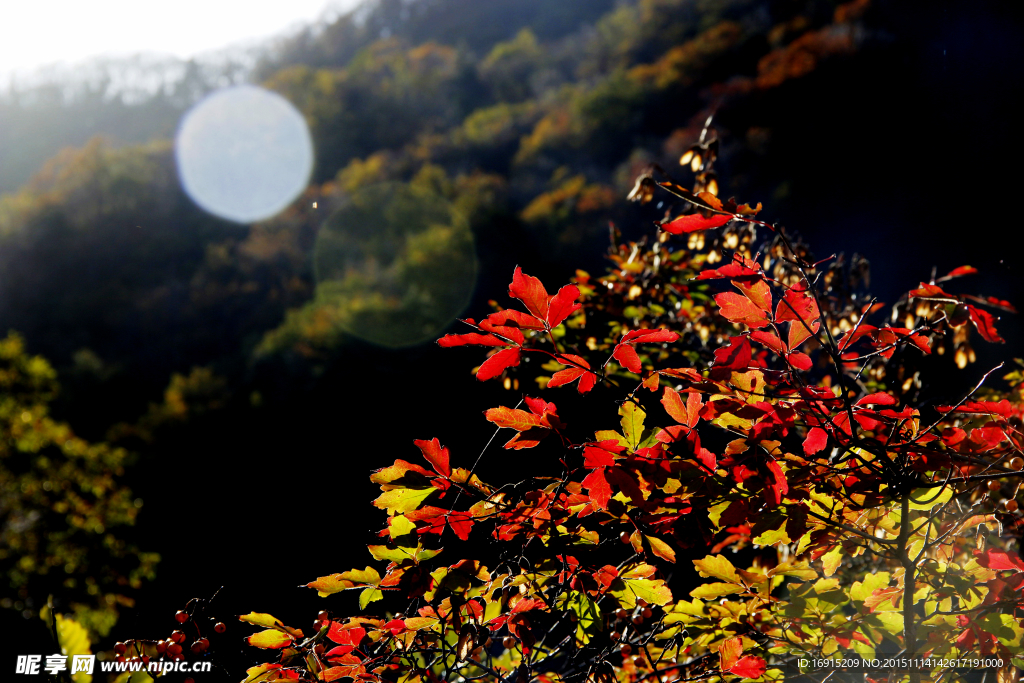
column 403, row 500
column 632, row 423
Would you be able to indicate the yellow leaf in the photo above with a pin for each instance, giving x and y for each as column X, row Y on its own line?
column 632, row 423
column 830, row 560
column 270, row 639
column 711, row 591
column 403, row 500
column 718, row 567
column 74, row 640
column 661, row 549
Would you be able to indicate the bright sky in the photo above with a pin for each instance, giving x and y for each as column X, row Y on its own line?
column 39, row 32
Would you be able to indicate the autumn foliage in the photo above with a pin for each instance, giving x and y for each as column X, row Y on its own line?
column 767, row 484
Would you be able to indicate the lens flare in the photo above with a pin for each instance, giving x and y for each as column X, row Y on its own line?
column 244, row 153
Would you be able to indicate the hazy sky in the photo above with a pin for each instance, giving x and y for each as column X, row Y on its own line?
column 39, row 32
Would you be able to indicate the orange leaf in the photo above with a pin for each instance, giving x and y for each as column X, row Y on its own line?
column 740, row 309
column 513, row 418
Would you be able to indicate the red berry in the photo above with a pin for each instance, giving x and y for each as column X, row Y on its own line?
column 174, row 649
column 120, row 648
column 189, row 680
column 994, row 485
column 161, row 647
column 638, row 619
column 646, row 612
column 509, row 642
column 1011, row 505
column 181, row 616
column 119, row 659
column 220, row 627
column 178, row 636
column 323, row 615
column 626, row 649
column 319, row 649
column 624, row 537
column 200, row 646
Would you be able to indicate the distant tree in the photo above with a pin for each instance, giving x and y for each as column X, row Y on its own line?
column 63, row 507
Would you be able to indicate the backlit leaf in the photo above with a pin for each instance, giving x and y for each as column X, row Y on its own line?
column 270, row 639
column 531, row 292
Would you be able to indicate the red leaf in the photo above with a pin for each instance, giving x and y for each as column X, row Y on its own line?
column 817, row 439
column 1002, row 408
column 957, row 272
column 626, row 355
column 510, row 317
column 879, row 399
column 801, row 310
column 739, row 267
column 598, row 487
column 496, row 364
column 999, row 560
column 778, row 486
column 694, row 222
column 769, row 339
column 531, row 292
column 853, row 335
column 736, row 356
column 512, row 334
column 750, row 666
column 461, row 523
column 587, row 382
column 649, row 336
column 539, row 406
column 985, row 322
column 740, row 309
column 473, row 338
column 800, row 361
column 571, row 374
column 561, row 305
column 565, row 377
column 435, row 455
column 597, row 457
